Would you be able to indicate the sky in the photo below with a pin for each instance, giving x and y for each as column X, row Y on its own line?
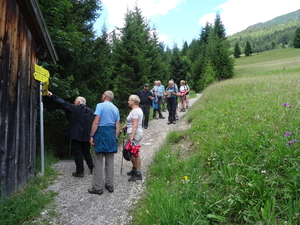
column 177, row 21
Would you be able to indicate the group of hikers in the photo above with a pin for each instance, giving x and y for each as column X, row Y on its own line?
column 101, row 128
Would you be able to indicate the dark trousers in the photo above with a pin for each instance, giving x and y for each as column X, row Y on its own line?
column 158, row 109
column 146, row 110
column 81, row 149
column 172, row 105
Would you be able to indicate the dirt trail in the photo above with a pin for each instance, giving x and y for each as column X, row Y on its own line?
column 74, row 205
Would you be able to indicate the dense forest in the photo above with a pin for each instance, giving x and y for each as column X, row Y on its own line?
column 124, row 59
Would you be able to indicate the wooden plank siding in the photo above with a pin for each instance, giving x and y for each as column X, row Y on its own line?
column 19, row 96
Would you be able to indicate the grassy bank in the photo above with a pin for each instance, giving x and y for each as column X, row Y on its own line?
column 31, row 200
column 239, row 162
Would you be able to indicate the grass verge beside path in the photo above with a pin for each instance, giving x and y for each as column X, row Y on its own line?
column 31, row 200
column 238, row 163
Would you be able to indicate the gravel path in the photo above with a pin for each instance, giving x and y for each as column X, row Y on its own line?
column 74, row 205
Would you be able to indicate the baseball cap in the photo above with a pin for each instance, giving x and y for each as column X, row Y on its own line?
column 146, row 85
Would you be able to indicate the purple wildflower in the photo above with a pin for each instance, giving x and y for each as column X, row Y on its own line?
column 289, row 143
column 288, row 133
column 285, row 104
column 294, row 141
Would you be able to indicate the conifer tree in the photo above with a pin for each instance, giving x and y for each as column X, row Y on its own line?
column 237, row 51
column 248, row 49
column 136, row 58
column 296, row 40
column 179, row 67
column 219, row 28
column 184, row 50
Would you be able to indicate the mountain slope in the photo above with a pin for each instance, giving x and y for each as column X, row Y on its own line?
column 279, row 20
column 273, row 34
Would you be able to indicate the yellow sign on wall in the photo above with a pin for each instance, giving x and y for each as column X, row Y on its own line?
column 41, row 74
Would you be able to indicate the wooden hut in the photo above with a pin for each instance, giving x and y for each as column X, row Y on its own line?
column 24, row 40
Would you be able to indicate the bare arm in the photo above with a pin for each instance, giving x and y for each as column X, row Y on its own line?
column 94, row 129
column 134, row 128
column 117, row 129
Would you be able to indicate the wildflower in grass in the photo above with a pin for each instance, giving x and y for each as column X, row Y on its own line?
column 289, row 143
column 208, row 163
column 285, row 104
column 285, row 159
column 263, row 171
column 185, row 178
column 287, row 134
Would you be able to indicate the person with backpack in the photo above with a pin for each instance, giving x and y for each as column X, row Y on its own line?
column 161, row 91
column 81, row 118
column 171, row 94
column 156, row 101
column 183, row 90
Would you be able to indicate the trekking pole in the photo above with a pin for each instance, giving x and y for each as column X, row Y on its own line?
column 122, row 153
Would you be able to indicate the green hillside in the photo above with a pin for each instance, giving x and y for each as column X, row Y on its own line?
column 279, row 20
column 238, row 163
column 274, row 34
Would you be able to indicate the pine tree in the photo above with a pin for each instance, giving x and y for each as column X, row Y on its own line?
column 179, row 67
column 137, row 58
column 248, row 49
column 237, row 51
column 219, row 28
column 184, row 50
column 296, row 40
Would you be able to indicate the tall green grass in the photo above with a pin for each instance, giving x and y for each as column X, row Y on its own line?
column 30, row 201
column 236, row 164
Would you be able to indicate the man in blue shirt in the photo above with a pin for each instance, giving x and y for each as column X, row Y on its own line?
column 104, row 134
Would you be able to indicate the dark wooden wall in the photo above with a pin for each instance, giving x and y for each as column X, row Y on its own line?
column 19, row 96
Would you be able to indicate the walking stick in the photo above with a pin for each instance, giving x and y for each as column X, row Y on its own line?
column 122, row 153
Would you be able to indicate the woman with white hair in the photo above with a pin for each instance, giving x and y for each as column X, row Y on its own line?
column 135, row 134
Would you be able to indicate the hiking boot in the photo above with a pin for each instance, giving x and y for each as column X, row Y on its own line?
column 131, row 172
column 91, row 171
column 176, row 117
column 161, row 117
column 155, row 118
column 136, row 176
column 77, row 174
column 94, row 191
column 169, row 122
column 110, row 188
column 174, row 122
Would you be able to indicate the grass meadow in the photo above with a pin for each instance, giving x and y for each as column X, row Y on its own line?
column 27, row 203
column 239, row 163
